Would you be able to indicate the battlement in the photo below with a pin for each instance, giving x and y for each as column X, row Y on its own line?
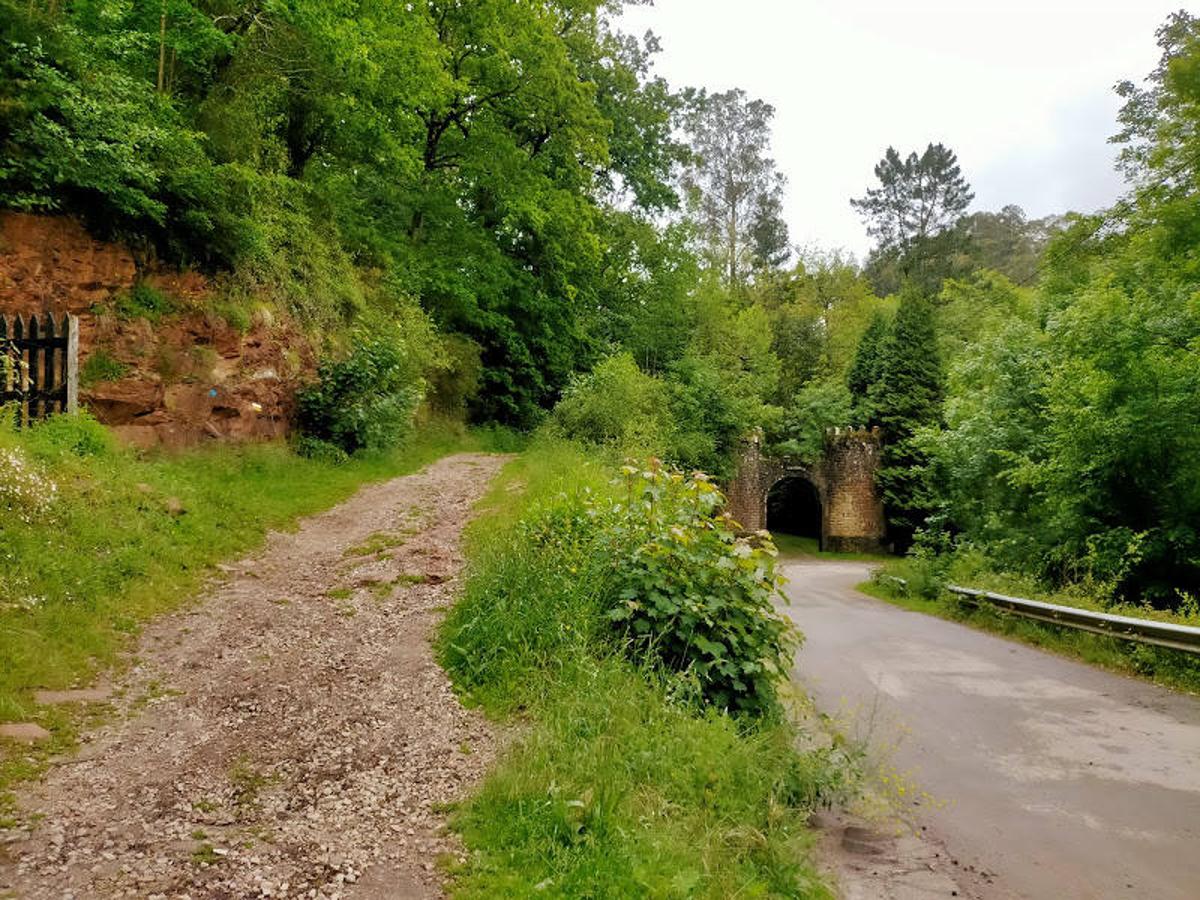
column 854, row 434
column 844, row 479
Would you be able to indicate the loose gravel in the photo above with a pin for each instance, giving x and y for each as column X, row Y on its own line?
column 290, row 735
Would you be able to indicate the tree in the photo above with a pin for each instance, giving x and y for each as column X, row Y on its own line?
column 907, row 397
column 482, row 157
column 733, row 189
column 1158, row 137
column 866, row 370
column 912, row 212
column 1005, row 241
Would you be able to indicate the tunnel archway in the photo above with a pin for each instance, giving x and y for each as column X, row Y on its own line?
column 794, row 507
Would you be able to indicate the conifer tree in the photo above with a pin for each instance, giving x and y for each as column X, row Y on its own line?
column 907, row 396
column 866, row 368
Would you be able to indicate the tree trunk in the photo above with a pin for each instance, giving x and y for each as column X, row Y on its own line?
column 162, row 48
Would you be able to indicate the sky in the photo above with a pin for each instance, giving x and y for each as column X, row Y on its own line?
column 1021, row 90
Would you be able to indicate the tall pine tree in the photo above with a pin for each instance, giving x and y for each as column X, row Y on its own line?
column 867, row 368
column 907, row 396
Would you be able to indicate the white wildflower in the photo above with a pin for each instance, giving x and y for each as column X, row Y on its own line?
column 26, row 493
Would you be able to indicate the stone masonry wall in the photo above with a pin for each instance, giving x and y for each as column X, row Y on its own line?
column 744, row 499
column 852, row 518
column 853, row 514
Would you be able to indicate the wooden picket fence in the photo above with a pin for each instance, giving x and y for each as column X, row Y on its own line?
column 39, row 366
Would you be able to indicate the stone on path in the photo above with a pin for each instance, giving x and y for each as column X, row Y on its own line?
column 23, row 731
column 86, row 695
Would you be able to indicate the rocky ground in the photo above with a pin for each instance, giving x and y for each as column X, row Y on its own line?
column 290, row 735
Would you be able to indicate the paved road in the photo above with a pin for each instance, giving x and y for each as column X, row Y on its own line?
column 1069, row 782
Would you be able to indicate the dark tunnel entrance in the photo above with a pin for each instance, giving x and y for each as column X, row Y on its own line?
column 794, row 507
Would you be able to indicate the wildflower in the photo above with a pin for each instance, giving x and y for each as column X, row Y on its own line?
column 25, row 492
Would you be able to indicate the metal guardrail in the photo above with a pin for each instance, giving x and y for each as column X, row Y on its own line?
column 1146, row 631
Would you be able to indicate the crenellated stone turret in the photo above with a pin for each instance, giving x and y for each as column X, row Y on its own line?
column 852, row 517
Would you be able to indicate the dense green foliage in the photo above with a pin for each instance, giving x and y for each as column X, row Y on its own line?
column 619, row 784
column 367, row 400
column 668, row 583
column 1071, row 443
column 618, row 404
column 508, row 185
column 1067, row 445
column 690, row 593
column 470, row 154
column 906, row 397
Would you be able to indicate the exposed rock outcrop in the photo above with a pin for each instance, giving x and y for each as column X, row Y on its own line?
column 185, row 378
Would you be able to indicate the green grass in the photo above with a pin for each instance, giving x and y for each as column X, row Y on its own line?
column 379, row 542
column 130, row 537
column 145, row 302
column 795, row 545
column 614, row 788
column 1170, row 668
column 100, row 366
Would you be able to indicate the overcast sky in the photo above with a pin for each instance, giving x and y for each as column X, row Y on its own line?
column 1021, row 90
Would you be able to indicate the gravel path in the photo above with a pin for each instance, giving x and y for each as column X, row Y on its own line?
column 289, row 736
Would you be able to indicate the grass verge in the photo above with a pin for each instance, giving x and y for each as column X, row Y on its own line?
column 126, row 537
column 795, row 545
column 1170, row 668
column 615, row 786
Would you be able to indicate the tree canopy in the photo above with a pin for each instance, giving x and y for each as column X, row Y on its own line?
column 503, row 200
column 733, row 189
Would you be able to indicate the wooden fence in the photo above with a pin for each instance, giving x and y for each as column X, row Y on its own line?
column 39, row 366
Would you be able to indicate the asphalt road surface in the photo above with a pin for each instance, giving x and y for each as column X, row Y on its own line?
column 1064, row 780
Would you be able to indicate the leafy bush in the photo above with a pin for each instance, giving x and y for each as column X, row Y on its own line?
column 616, row 404
column 320, row 451
column 711, row 413
column 654, row 571
column 691, row 594
column 817, row 407
column 367, row 400
column 613, row 787
column 454, row 387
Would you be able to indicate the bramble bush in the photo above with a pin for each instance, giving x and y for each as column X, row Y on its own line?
column 367, row 400
column 693, row 595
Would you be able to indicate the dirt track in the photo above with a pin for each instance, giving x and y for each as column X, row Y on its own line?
column 290, row 734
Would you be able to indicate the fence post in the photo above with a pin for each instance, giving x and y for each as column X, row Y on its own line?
column 72, row 364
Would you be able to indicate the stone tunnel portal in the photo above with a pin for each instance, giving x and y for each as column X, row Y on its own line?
column 778, row 492
column 794, row 507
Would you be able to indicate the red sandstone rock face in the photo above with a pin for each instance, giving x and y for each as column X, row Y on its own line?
column 189, row 377
column 49, row 263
